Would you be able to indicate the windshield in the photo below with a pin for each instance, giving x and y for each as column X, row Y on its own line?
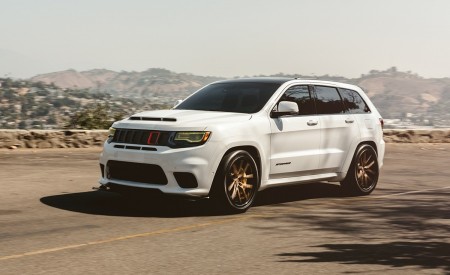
column 237, row 97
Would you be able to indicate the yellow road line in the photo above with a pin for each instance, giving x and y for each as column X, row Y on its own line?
column 189, row 227
column 146, row 234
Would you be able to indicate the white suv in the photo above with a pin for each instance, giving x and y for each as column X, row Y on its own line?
column 233, row 138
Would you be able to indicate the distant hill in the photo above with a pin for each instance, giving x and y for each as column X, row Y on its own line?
column 398, row 95
column 147, row 84
column 71, row 79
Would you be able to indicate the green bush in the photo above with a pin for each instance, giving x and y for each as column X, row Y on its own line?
column 96, row 117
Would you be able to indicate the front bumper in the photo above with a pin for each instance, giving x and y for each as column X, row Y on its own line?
column 200, row 161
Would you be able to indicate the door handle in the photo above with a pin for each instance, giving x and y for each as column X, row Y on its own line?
column 312, row 122
column 349, row 120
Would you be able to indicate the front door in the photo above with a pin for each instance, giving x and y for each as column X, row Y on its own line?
column 296, row 139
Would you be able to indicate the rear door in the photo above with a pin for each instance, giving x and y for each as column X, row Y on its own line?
column 295, row 139
column 339, row 128
column 355, row 105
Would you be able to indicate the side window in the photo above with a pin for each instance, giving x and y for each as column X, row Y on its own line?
column 353, row 102
column 328, row 100
column 301, row 96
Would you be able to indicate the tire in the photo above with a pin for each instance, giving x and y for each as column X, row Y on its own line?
column 236, row 183
column 362, row 176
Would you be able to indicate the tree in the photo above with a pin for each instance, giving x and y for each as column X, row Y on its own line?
column 51, row 120
column 96, row 117
column 42, row 110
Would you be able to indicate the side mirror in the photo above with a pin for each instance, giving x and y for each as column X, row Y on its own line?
column 285, row 108
column 177, row 102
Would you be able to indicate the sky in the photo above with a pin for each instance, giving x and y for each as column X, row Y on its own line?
column 225, row 38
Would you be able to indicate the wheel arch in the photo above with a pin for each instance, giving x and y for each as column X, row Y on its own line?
column 369, row 142
column 349, row 159
column 253, row 151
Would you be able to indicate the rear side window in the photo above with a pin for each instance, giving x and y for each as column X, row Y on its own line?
column 302, row 96
column 328, row 100
column 353, row 102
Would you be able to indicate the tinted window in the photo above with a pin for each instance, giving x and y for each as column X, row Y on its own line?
column 328, row 100
column 301, row 96
column 353, row 102
column 235, row 97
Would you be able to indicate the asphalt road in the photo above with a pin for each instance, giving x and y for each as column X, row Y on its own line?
column 51, row 222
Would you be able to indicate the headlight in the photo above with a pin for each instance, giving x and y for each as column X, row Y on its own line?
column 193, row 137
column 111, row 133
column 188, row 139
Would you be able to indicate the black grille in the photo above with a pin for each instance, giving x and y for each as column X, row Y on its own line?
column 144, row 137
column 137, row 172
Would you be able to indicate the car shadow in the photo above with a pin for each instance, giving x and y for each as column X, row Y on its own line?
column 149, row 204
column 308, row 191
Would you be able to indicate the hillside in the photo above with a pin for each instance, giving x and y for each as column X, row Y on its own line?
column 406, row 96
column 403, row 98
column 146, row 84
column 36, row 105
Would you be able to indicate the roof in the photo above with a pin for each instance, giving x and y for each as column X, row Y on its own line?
column 274, row 80
column 282, row 80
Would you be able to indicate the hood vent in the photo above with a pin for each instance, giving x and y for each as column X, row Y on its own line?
column 153, row 118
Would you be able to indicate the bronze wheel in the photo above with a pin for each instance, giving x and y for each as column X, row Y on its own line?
column 237, row 182
column 363, row 173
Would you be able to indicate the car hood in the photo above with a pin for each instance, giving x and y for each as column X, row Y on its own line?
column 179, row 119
